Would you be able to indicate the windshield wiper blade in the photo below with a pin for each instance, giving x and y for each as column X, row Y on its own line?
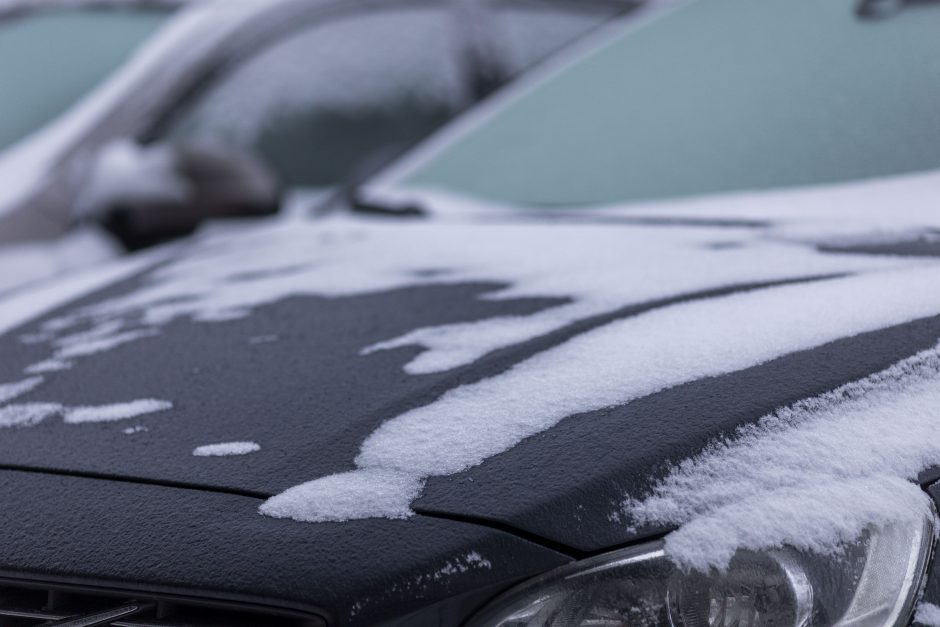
column 880, row 9
column 374, row 207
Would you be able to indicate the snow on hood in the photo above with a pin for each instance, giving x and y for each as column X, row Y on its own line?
column 812, row 475
column 28, row 263
column 782, row 295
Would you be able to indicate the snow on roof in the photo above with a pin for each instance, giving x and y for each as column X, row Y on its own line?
column 782, row 294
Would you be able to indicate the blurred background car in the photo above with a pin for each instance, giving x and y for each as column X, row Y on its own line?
column 152, row 115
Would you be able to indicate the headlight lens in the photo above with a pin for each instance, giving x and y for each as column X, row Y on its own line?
column 873, row 582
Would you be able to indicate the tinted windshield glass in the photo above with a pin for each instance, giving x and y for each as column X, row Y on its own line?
column 718, row 95
column 49, row 59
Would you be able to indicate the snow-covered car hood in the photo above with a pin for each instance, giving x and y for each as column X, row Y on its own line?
column 540, row 374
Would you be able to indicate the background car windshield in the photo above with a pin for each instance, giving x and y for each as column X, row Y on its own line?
column 715, row 96
column 70, row 51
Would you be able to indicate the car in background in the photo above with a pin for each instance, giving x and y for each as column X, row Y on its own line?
column 644, row 340
column 339, row 84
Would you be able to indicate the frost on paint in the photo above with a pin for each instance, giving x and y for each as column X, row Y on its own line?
column 812, row 475
column 454, row 567
column 225, row 449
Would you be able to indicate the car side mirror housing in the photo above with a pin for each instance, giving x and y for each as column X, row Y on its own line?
column 145, row 195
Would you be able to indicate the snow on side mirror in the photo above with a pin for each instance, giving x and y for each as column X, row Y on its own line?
column 149, row 194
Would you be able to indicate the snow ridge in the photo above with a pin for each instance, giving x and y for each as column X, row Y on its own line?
column 813, row 475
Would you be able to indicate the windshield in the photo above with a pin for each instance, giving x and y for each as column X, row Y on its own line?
column 69, row 52
column 713, row 97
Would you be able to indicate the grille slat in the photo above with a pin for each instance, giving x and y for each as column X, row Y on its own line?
column 31, row 604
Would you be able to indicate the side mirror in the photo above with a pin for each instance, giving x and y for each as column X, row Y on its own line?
column 145, row 195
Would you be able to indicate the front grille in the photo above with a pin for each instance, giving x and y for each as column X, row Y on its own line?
column 27, row 604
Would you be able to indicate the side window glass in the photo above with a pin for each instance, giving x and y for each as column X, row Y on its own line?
column 324, row 100
column 531, row 30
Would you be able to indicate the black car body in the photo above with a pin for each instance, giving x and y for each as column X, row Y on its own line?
column 392, row 420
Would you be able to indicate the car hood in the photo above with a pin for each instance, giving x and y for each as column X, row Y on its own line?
column 186, row 544
column 529, row 374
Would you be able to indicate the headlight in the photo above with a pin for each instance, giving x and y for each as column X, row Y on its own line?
column 873, row 582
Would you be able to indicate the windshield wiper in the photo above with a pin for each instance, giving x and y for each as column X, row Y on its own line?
column 371, row 206
column 880, row 9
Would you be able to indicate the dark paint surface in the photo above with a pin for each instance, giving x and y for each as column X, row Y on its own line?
column 172, row 540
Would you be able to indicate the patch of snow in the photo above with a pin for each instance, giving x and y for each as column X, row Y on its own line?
column 9, row 391
column 85, row 346
column 225, row 449
column 475, row 559
column 48, row 365
column 116, row 411
column 627, row 359
column 813, row 475
column 22, row 265
column 596, row 267
column 461, row 565
column 927, row 614
column 347, row 496
column 134, row 430
column 27, row 304
column 27, row 414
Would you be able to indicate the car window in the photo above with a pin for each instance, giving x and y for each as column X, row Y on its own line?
column 331, row 97
column 712, row 97
column 318, row 101
column 51, row 58
column 531, row 30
